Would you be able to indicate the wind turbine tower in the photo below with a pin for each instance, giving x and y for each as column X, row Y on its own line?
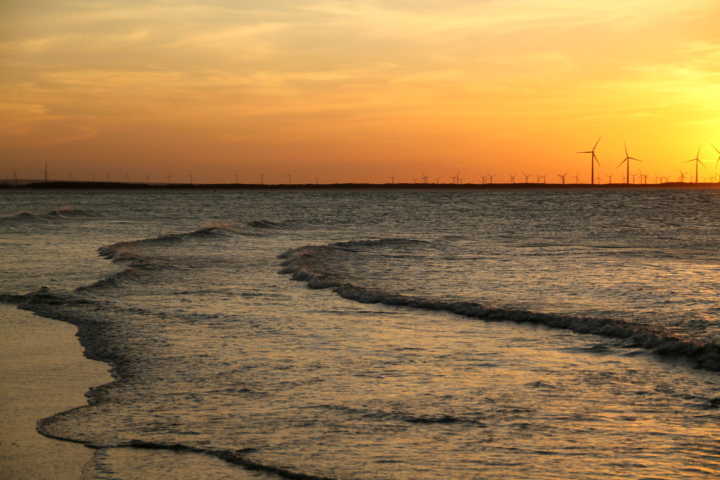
column 626, row 161
column 593, row 160
column 697, row 164
column 717, row 162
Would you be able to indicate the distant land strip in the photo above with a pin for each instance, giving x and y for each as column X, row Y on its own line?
column 80, row 185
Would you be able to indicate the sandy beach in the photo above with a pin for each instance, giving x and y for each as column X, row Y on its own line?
column 42, row 372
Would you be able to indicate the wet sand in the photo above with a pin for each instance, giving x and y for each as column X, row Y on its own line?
column 42, row 372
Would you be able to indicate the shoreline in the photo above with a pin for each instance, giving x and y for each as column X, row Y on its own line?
column 44, row 372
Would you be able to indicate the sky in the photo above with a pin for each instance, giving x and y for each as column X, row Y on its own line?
column 357, row 90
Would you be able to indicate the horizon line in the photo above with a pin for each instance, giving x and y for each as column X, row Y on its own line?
column 80, row 184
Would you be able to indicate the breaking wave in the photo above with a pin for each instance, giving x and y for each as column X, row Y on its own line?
column 140, row 261
column 94, row 331
column 321, row 267
column 116, row 250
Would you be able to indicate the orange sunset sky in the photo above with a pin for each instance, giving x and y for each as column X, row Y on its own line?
column 359, row 90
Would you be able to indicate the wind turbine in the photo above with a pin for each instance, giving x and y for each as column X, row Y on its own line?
column 697, row 163
column 593, row 160
column 627, row 162
column 717, row 162
column 562, row 177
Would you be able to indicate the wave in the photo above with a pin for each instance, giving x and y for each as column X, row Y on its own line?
column 44, row 297
column 382, row 242
column 427, row 419
column 139, row 262
column 123, row 251
column 58, row 213
column 235, row 457
column 312, row 265
column 93, row 331
column 20, row 216
column 266, row 224
column 12, row 298
column 69, row 212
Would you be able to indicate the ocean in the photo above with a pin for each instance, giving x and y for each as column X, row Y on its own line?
column 380, row 333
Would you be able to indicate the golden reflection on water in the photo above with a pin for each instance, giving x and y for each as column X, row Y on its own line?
column 224, row 355
column 407, row 394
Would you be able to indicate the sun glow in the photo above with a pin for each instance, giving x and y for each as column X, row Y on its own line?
column 356, row 91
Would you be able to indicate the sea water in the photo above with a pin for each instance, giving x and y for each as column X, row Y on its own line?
column 382, row 334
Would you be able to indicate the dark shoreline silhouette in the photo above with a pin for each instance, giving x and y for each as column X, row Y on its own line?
column 78, row 185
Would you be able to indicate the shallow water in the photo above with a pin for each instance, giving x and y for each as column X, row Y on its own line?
column 228, row 367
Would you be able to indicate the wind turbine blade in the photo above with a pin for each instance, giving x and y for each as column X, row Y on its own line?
column 620, row 164
column 589, row 151
column 596, row 143
column 626, row 152
column 716, row 149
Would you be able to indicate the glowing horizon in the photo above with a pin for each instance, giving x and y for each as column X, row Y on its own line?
column 344, row 91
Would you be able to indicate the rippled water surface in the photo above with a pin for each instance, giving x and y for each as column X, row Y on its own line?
column 448, row 334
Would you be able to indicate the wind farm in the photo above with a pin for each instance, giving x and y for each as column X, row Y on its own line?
column 51, row 177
